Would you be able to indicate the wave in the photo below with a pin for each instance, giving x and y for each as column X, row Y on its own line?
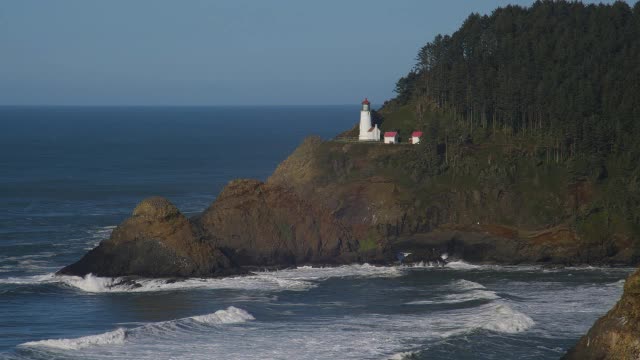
column 463, row 284
column 94, row 284
column 474, row 295
column 620, row 283
column 115, row 337
column 507, row 320
column 401, row 355
column 298, row 279
column 422, row 265
column 461, row 265
column 29, row 263
column 29, row 280
column 350, row 271
column 232, row 315
column 495, row 317
column 464, row 291
column 376, row 336
column 96, row 235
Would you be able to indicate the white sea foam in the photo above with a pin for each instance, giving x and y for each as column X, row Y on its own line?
column 232, row 315
column 422, row 265
column 461, row 265
column 473, row 295
column 506, row 320
column 26, row 280
column 463, row 284
column 31, row 263
column 116, row 337
column 96, row 235
column 463, row 291
column 377, row 336
column 266, row 282
column 352, row 271
column 400, row 356
column 298, row 279
column 620, row 283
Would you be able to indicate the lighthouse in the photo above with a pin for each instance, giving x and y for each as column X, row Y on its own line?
column 368, row 131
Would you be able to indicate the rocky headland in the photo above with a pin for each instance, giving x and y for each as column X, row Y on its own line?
column 333, row 203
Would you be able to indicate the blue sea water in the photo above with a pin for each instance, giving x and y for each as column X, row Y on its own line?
column 69, row 175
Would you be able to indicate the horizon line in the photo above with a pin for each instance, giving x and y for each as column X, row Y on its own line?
column 174, row 106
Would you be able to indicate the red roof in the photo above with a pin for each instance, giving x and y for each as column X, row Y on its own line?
column 416, row 134
column 365, row 101
column 390, row 134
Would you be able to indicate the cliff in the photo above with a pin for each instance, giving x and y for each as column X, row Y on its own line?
column 156, row 241
column 617, row 334
column 250, row 225
column 332, row 203
column 498, row 201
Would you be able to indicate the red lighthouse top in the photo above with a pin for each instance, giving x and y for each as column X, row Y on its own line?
column 365, row 102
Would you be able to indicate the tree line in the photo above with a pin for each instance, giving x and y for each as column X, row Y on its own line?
column 564, row 73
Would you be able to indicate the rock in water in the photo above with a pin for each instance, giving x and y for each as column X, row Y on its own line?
column 156, row 241
column 615, row 336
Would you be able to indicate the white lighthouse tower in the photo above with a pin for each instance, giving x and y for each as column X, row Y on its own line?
column 368, row 132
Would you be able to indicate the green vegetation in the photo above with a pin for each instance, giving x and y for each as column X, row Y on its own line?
column 534, row 106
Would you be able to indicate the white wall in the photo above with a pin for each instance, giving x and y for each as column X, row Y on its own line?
column 365, row 125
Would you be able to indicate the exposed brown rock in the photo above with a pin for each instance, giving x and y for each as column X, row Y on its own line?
column 156, row 241
column 267, row 225
column 615, row 336
column 340, row 202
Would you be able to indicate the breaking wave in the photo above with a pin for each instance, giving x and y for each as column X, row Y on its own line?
column 461, row 265
column 115, row 337
column 298, row 279
column 464, row 291
column 474, row 295
column 506, row 320
column 463, row 284
column 232, row 315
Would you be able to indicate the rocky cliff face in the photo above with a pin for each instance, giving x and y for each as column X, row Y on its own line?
column 251, row 224
column 334, row 202
column 157, row 240
column 615, row 336
column 261, row 224
column 391, row 200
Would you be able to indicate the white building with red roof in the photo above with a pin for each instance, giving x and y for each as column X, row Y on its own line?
column 416, row 136
column 391, row 137
column 368, row 131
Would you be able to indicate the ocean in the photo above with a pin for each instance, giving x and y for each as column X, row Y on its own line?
column 69, row 175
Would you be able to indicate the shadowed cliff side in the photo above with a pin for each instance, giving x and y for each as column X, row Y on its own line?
column 615, row 336
column 259, row 224
column 391, row 196
column 251, row 224
column 157, row 240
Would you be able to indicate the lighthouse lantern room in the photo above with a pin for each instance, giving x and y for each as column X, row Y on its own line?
column 368, row 131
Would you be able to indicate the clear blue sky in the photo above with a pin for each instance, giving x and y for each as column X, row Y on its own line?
column 217, row 52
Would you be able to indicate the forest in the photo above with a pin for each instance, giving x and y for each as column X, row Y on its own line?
column 562, row 75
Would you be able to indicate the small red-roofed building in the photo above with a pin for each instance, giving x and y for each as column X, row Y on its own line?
column 391, row 137
column 416, row 136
